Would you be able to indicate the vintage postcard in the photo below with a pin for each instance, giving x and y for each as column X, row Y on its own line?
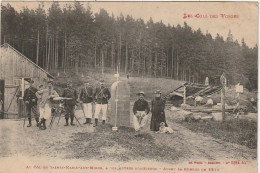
column 128, row 87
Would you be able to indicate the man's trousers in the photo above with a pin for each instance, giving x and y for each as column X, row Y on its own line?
column 100, row 107
column 139, row 120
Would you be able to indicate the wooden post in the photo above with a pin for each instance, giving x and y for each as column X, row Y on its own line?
column 102, row 62
column 184, row 95
column 22, row 87
column 223, row 103
column 223, row 81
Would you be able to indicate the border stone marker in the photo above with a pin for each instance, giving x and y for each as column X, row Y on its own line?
column 123, row 104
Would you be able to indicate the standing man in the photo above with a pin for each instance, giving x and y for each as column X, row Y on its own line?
column 70, row 92
column 45, row 97
column 86, row 99
column 102, row 95
column 141, row 109
column 158, row 114
column 30, row 100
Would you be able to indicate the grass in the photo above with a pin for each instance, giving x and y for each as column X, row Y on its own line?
column 241, row 132
column 137, row 84
column 122, row 145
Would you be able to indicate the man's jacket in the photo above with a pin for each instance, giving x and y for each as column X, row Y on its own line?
column 102, row 95
column 141, row 105
column 29, row 95
column 70, row 93
column 86, row 95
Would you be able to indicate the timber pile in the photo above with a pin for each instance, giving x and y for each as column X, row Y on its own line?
column 208, row 109
column 193, row 90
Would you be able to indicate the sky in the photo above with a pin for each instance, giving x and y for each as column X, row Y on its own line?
column 239, row 17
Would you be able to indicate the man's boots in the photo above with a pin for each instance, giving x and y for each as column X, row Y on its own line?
column 96, row 122
column 40, row 123
column 71, row 121
column 87, row 121
column 30, row 122
column 67, row 122
column 37, row 122
column 44, row 125
column 103, row 122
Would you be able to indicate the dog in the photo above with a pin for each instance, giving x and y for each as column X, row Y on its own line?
column 164, row 129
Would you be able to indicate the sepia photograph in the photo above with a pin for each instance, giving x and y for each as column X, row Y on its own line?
column 88, row 86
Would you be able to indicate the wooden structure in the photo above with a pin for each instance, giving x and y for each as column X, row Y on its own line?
column 15, row 68
column 188, row 90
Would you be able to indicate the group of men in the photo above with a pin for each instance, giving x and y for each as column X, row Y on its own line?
column 39, row 102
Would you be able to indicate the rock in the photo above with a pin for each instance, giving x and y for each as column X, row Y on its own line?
column 173, row 108
column 217, row 116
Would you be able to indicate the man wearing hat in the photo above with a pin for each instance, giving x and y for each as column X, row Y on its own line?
column 158, row 114
column 141, row 109
column 70, row 92
column 101, row 95
column 30, row 101
column 86, row 99
column 45, row 97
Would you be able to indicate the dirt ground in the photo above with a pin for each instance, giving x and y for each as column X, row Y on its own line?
column 57, row 142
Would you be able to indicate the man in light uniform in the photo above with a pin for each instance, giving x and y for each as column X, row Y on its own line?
column 141, row 109
column 86, row 99
column 45, row 96
column 101, row 95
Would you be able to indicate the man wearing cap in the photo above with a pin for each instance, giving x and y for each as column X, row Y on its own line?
column 141, row 109
column 30, row 100
column 86, row 99
column 70, row 92
column 101, row 95
column 45, row 97
column 158, row 114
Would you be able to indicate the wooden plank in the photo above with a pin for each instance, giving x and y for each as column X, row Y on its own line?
column 24, row 57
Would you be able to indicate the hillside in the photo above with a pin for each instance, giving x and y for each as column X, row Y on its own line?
column 137, row 84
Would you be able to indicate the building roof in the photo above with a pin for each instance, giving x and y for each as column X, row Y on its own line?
column 5, row 45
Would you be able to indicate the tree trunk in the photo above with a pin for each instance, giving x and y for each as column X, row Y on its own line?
column 177, row 66
column 144, row 59
column 95, row 56
column 172, row 72
column 155, row 64
column 48, row 58
column 126, row 57
column 38, row 42
column 120, row 52
column 76, row 64
column 139, row 59
column 112, row 56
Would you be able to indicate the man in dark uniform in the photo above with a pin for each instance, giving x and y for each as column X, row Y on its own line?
column 86, row 99
column 30, row 101
column 141, row 109
column 101, row 95
column 70, row 92
column 158, row 113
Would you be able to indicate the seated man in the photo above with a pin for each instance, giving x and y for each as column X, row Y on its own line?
column 141, row 109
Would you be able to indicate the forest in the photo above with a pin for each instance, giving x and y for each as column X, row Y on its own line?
column 62, row 38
